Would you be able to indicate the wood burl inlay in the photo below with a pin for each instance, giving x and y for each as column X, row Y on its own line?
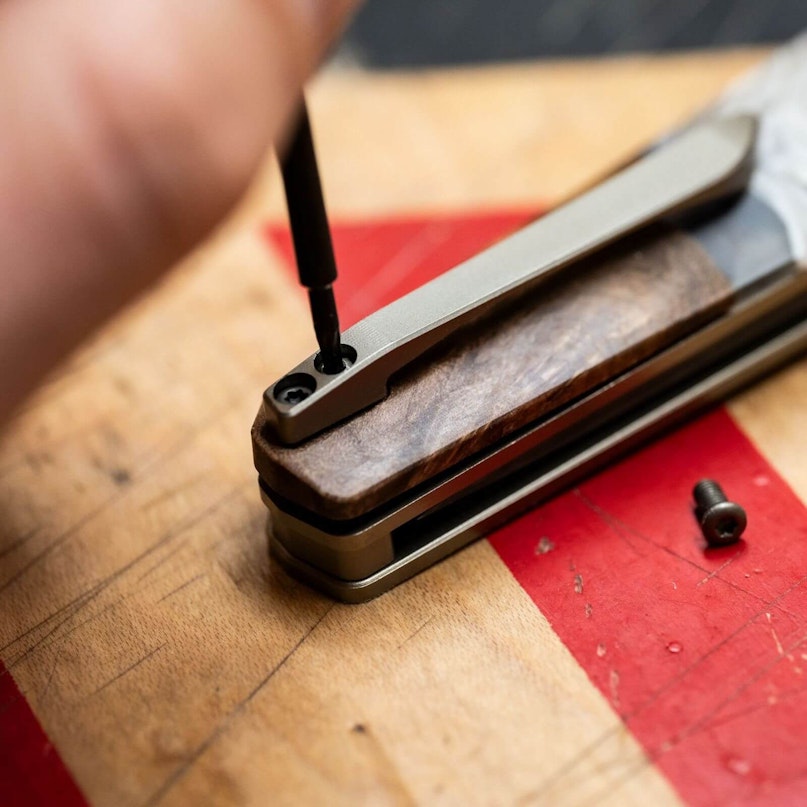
column 605, row 315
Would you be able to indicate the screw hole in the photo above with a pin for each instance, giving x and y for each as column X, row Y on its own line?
column 348, row 357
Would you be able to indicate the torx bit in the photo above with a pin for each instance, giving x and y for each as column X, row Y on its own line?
column 313, row 249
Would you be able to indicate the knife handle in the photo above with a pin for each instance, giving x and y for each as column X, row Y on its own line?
column 711, row 161
column 504, row 373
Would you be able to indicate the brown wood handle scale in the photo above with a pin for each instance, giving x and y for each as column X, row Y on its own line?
column 600, row 318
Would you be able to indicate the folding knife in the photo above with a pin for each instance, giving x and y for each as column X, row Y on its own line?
column 662, row 290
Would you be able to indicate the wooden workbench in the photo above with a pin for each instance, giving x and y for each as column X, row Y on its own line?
column 165, row 658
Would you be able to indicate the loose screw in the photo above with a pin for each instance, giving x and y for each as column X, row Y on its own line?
column 722, row 522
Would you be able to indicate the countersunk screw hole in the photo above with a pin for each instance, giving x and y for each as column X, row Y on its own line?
column 348, row 360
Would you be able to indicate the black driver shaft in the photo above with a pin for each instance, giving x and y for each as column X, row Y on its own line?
column 313, row 249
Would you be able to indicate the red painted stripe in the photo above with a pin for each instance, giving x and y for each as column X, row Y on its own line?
column 704, row 655
column 31, row 771
column 382, row 261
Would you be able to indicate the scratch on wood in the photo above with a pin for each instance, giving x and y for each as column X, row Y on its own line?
column 46, row 688
column 415, row 633
column 87, row 597
column 73, row 606
column 108, row 607
column 129, row 669
column 184, row 585
column 613, row 785
column 169, row 493
column 161, row 561
column 781, row 698
column 17, row 543
column 703, row 722
column 156, row 462
column 26, row 567
column 228, row 718
column 60, row 539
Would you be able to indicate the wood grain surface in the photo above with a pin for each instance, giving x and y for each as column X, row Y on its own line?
column 521, row 364
column 167, row 661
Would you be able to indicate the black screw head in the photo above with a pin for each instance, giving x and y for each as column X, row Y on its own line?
column 294, row 388
column 293, row 395
column 722, row 522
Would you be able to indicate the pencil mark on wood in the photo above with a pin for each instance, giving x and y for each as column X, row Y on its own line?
column 129, row 669
column 181, row 587
column 228, row 718
column 415, row 633
column 18, row 542
column 40, row 642
column 82, row 601
column 161, row 562
column 60, row 539
column 42, row 622
column 106, row 609
column 170, row 492
column 46, row 688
